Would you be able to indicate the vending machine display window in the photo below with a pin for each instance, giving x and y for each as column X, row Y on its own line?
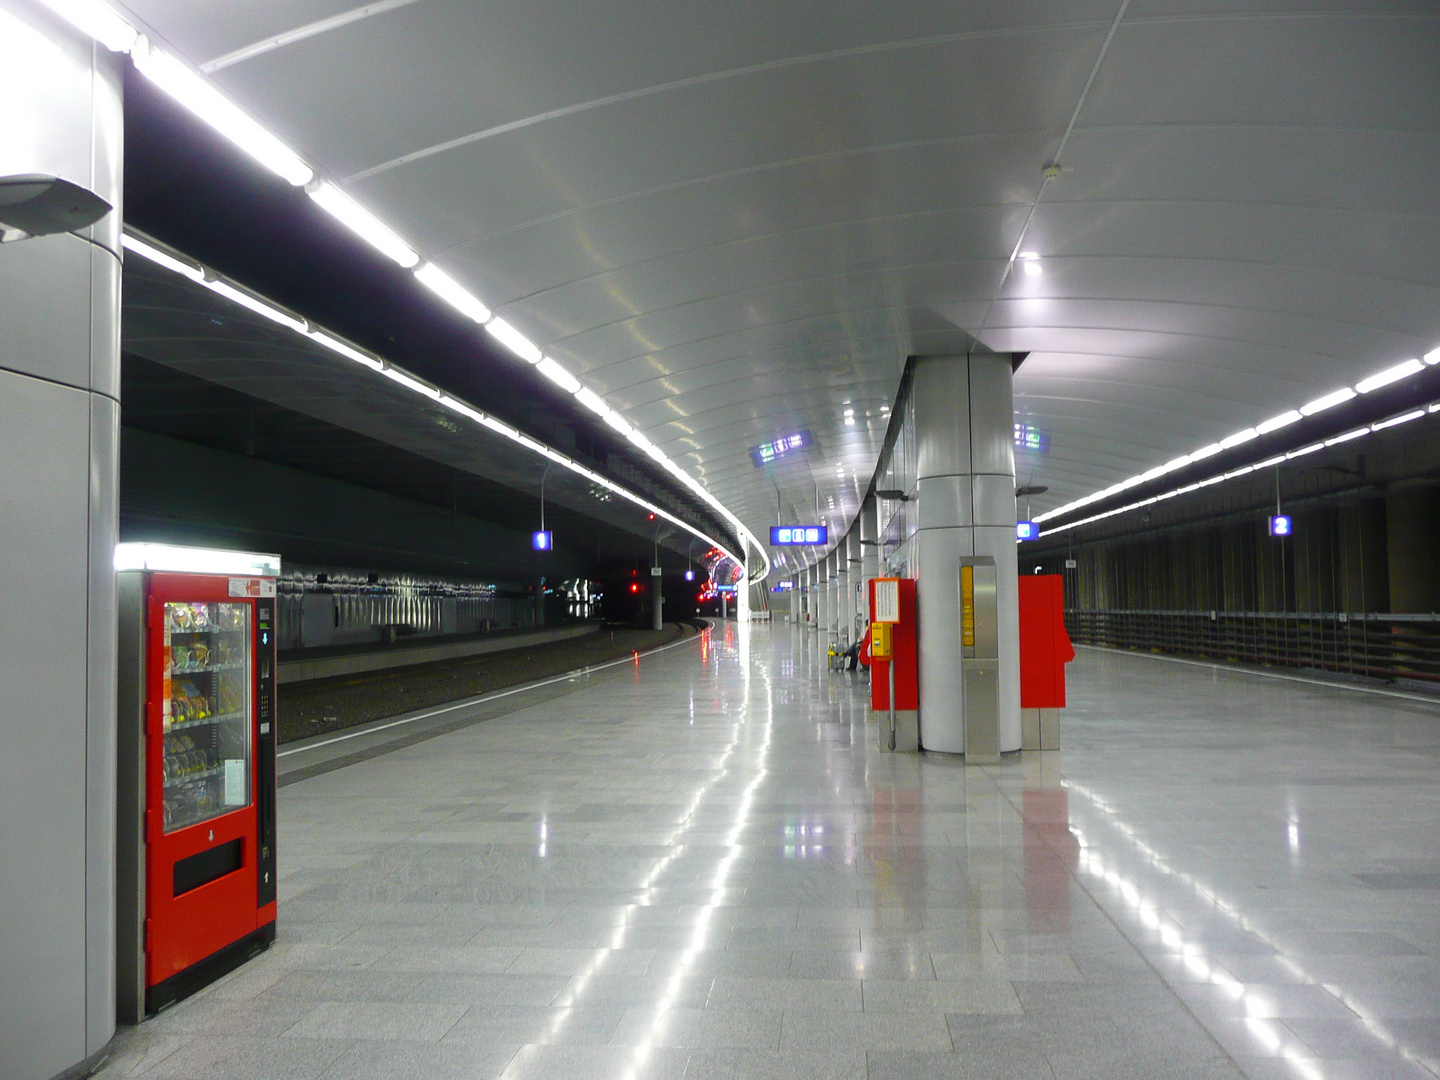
column 205, row 712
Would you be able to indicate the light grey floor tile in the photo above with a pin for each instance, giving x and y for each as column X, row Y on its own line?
column 418, row 1022
column 597, row 1063
column 735, row 1028
column 368, row 1060
column 234, row 1058
column 817, row 1064
column 866, row 1031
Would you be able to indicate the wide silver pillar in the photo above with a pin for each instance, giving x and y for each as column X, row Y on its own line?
column 842, row 595
column 657, row 600
column 964, row 430
column 59, row 429
column 822, row 591
column 869, row 550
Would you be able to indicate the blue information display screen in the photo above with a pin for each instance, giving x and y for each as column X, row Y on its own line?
column 791, row 535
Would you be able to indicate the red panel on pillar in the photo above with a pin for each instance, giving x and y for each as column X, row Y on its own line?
column 906, row 646
column 1045, row 647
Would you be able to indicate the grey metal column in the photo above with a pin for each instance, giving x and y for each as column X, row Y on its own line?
column 813, row 577
column 869, row 549
column 964, row 427
column 59, row 431
column 657, row 600
column 856, row 605
column 822, row 592
column 842, row 594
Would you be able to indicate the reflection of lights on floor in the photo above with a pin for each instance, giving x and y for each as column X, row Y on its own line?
column 1268, row 1032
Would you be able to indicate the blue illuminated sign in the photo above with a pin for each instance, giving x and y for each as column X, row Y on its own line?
column 689, row 575
column 1029, row 437
column 1280, row 525
column 1026, row 530
column 791, row 535
column 765, row 453
column 542, row 541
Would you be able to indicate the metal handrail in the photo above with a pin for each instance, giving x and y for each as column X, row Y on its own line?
column 1374, row 645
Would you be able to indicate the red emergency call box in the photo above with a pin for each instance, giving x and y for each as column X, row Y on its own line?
column 1045, row 649
column 196, row 881
column 904, row 646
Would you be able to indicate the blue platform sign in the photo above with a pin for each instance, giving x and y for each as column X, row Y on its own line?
column 1026, row 530
column 542, row 541
column 1280, row 525
column 792, row 535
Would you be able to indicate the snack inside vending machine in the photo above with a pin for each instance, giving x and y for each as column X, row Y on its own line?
column 195, row 894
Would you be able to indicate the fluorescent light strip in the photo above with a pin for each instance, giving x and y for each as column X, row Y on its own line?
column 260, row 307
column 513, row 340
column 557, row 374
column 1275, row 423
column 452, row 292
column 362, row 222
column 196, row 93
column 155, row 255
column 99, row 21
column 410, row 382
column 1389, row 375
column 1394, row 421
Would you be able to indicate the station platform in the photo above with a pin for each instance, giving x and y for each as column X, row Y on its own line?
column 700, row 865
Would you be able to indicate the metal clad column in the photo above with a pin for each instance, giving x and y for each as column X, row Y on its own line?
column 854, row 606
column 842, row 594
column 992, row 461
column 942, row 442
column 59, row 423
column 964, row 427
column 657, row 601
column 869, row 551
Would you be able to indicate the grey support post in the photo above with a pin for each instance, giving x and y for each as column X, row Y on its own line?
column 964, row 427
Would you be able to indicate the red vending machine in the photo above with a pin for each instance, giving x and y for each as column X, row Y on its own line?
column 195, row 892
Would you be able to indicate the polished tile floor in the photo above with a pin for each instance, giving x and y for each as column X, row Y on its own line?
column 699, row 866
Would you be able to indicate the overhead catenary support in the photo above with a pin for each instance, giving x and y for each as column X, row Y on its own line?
column 965, row 469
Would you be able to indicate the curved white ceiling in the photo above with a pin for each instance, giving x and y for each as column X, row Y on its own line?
column 733, row 220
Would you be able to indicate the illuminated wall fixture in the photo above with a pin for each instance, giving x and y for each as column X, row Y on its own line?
column 766, row 453
column 1275, row 423
column 792, row 535
column 176, row 264
column 1030, row 260
column 195, row 92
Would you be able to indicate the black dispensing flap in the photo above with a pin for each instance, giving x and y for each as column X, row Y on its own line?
column 204, row 868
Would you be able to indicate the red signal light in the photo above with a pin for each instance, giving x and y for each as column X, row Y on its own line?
column 634, row 587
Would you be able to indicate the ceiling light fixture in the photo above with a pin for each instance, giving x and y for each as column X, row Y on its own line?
column 1275, row 423
column 98, row 20
column 558, row 375
column 452, row 292
column 334, row 344
column 361, row 222
column 260, row 307
column 155, row 255
column 513, row 340
column 196, row 94
column 592, row 401
column 1329, row 401
column 1389, row 375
